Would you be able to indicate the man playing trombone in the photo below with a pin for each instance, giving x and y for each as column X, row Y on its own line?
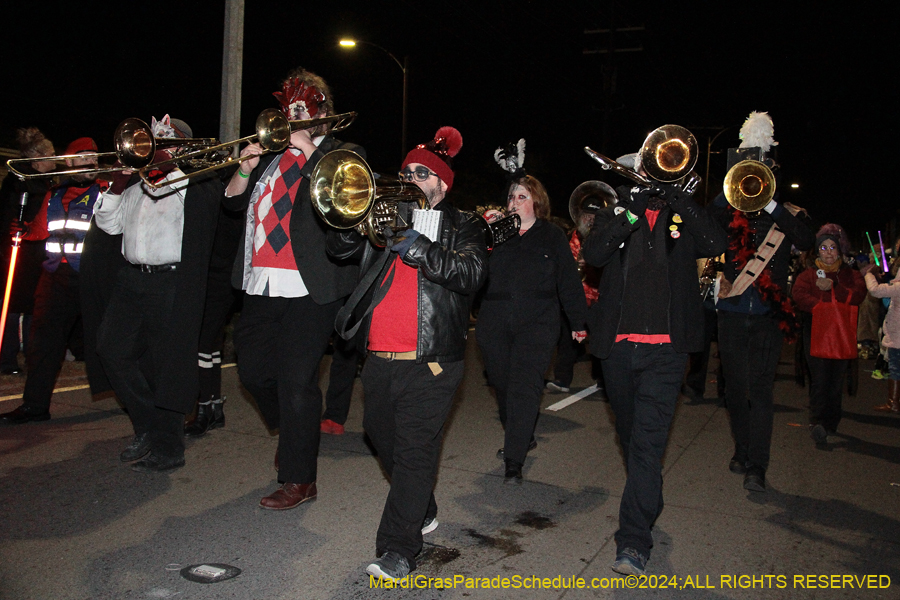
column 293, row 289
column 149, row 334
column 648, row 317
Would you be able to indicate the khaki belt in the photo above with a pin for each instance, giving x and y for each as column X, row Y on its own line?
column 411, row 355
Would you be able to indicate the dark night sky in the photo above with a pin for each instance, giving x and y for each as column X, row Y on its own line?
column 497, row 71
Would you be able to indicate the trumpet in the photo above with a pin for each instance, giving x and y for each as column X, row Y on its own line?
column 668, row 155
column 749, row 186
column 135, row 147
column 273, row 132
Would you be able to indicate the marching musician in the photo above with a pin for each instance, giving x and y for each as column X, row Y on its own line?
column 752, row 321
column 529, row 278
column 416, row 341
column 149, row 333
column 647, row 319
column 62, row 221
column 293, row 288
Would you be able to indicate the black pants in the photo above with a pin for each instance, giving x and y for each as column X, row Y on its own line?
column 280, row 343
column 218, row 306
column 642, row 382
column 405, row 410
column 57, row 311
column 699, row 361
column 131, row 341
column 342, row 374
column 516, row 355
column 749, row 347
column 826, row 382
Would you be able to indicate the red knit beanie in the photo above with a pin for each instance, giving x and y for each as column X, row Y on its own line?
column 84, row 144
column 437, row 154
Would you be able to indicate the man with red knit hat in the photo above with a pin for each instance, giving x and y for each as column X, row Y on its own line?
column 416, row 339
column 63, row 221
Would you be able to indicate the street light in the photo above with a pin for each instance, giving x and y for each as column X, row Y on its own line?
column 404, row 67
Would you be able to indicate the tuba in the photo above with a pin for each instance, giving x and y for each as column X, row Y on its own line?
column 749, row 186
column 347, row 195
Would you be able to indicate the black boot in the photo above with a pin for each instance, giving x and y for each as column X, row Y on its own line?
column 202, row 422
column 218, row 413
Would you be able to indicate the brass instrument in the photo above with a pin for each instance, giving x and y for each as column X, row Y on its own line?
column 273, row 132
column 500, row 230
column 749, row 186
column 135, row 147
column 347, row 195
column 668, row 155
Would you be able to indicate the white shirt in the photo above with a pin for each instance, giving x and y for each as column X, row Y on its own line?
column 151, row 221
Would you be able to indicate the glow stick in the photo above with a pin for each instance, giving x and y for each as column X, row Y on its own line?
column 16, row 242
column 872, row 246
column 883, row 256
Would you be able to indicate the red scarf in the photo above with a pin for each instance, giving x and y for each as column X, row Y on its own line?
column 741, row 244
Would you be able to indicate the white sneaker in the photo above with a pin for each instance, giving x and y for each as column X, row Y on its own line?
column 555, row 386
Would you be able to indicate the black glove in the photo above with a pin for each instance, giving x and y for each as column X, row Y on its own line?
column 640, row 196
column 401, row 245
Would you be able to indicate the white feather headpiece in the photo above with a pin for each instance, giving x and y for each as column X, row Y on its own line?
column 511, row 158
column 758, row 131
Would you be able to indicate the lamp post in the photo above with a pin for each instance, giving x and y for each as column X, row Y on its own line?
column 709, row 145
column 404, row 67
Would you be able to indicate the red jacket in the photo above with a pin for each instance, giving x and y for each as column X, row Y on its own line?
column 847, row 283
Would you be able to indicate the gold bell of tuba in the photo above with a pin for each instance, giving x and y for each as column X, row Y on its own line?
column 346, row 194
column 749, row 186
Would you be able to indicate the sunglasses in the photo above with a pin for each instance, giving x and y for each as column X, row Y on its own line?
column 419, row 174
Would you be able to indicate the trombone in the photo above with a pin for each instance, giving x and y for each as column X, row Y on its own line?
column 273, row 131
column 668, row 155
column 135, row 147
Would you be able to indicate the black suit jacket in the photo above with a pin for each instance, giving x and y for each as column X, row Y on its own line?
column 698, row 236
column 326, row 278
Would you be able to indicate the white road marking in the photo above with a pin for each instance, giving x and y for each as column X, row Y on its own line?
column 573, row 398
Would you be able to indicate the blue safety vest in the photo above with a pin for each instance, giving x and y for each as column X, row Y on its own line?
column 68, row 229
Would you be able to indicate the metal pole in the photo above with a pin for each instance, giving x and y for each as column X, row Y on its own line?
column 403, row 135
column 232, row 72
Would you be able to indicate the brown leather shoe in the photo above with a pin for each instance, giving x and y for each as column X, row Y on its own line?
column 290, row 495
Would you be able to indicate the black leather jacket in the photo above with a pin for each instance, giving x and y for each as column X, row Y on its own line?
column 450, row 272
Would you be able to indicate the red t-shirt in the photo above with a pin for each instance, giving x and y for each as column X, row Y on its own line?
column 395, row 322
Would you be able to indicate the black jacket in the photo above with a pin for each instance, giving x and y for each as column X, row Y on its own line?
column 796, row 233
column 607, row 246
column 326, row 279
column 535, row 273
column 450, row 272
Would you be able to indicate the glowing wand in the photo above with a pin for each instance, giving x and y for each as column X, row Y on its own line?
column 16, row 242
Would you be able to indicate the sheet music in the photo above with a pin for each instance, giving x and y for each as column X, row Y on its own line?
column 428, row 223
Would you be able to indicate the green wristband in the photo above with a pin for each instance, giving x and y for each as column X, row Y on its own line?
column 241, row 173
column 630, row 216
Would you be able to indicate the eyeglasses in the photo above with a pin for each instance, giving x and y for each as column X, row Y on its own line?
column 420, row 174
column 824, row 248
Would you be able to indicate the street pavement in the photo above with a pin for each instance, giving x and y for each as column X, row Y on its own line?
column 76, row 523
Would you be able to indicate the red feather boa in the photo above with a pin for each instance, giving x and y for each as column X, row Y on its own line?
column 741, row 244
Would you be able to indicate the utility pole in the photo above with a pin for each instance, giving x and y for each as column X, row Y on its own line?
column 232, row 72
column 626, row 37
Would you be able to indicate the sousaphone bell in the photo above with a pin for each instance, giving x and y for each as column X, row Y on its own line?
column 749, row 186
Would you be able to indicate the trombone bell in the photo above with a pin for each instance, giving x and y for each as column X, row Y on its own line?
column 749, row 186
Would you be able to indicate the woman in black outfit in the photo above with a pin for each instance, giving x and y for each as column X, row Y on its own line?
column 529, row 277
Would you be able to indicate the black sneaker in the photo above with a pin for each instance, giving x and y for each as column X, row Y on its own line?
column 501, row 455
column 755, row 479
column 391, row 565
column 513, row 473
column 429, row 525
column 557, row 388
column 737, row 465
column 158, row 464
column 630, row 562
column 818, row 433
column 137, row 449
